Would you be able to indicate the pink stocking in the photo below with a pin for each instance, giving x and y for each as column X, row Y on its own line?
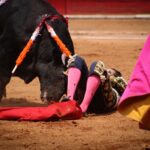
column 74, row 75
column 93, row 83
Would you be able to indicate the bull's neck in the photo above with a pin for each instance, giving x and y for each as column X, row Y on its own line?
column 2, row 2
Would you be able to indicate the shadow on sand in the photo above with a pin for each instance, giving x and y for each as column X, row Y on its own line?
column 19, row 102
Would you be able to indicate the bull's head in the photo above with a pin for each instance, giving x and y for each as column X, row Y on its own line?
column 46, row 62
column 49, row 67
column 52, row 81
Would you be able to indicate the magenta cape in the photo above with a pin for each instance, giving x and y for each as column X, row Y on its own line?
column 135, row 101
column 62, row 110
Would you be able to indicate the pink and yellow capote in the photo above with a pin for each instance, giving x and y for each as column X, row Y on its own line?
column 135, row 101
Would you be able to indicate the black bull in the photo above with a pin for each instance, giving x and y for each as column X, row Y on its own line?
column 18, row 19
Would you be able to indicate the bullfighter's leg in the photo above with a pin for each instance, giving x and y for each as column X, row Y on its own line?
column 98, row 76
column 74, row 75
column 75, row 70
column 93, row 83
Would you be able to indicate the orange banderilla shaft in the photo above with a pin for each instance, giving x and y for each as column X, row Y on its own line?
column 27, row 48
column 59, row 42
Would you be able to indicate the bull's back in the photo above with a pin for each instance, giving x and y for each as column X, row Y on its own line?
column 18, row 19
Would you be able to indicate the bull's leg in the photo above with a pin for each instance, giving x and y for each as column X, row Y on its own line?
column 3, row 83
column 2, row 93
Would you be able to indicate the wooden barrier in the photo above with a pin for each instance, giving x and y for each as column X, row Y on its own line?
column 102, row 6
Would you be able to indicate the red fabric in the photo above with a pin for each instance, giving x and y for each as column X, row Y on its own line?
column 62, row 110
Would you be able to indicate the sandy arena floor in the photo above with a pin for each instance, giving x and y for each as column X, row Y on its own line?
column 118, row 44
